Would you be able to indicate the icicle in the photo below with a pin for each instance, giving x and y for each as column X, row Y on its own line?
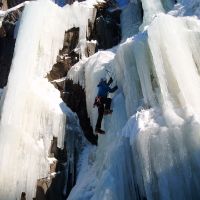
column 32, row 109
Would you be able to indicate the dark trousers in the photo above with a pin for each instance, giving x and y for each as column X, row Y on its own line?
column 104, row 102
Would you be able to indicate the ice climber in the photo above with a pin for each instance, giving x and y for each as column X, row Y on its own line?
column 102, row 102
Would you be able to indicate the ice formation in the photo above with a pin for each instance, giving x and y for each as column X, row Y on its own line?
column 152, row 139
column 31, row 112
column 151, row 145
column 31, row 109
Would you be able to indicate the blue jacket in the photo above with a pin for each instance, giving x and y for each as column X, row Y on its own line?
column 104, row 89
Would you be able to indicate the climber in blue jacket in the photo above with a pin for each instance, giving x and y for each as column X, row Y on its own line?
column 102, row 102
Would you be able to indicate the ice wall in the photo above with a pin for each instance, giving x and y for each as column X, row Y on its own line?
column 31, row 109
column 187, row 8
column 131, row 19
column 151, row 146
column 151, row 8
column 87, row 73
column 178, row 66
column 31, row 114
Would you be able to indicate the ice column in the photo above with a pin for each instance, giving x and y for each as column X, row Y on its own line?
column 150, row 8
column 31, row 112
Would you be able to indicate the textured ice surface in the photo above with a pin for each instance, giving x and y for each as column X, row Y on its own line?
column 151, row 145
column 31, row 109
column 31, row 114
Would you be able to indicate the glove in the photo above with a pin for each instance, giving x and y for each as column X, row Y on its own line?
column 111, row 80
column 115, row 88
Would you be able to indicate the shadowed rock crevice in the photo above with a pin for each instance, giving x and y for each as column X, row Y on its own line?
column 66, row 161
column 67, row 56
column 52, row 187
column 75, row 97
column 7, row 44
column 107, row 30
column 63, row 165
column 72, row 94
column 58, row 181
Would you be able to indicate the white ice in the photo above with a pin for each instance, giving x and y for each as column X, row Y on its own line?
column 31, row 109
column 90, row 71
column 152, row 141
column 151, row 146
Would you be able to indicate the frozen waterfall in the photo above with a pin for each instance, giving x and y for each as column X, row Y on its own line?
column 152, row 142
column 31, row 109
column 31, row 112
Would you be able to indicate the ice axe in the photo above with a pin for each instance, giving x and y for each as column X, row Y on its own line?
column 110, row 75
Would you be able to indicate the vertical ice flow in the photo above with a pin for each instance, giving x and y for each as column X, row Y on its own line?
column 176, row 68
column 150, row 8
column 31, row 109
column 156, row 154
column 31, row 113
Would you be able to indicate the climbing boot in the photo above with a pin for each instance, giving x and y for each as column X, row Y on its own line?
column 107, row 112
column 98, row 130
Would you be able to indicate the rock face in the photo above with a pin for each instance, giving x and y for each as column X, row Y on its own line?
column 62, row 176
column 7, row 43
column 73, row 94
column 107, row 30
column 6, row 53
column 67, row 56
column 12, row 3
column 75, row 98
column 91, row 48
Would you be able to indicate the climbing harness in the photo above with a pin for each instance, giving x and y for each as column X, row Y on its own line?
column 97, row 101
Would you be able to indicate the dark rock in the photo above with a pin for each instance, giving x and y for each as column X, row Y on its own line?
column 1, row 5
column 12, row 3
column 91, row 48
column 73, row 94
column 42, row 186
column 107, row 29
column 69, row 47
column 2, row 32
column 10, row 20
column 23, row 196
column 67, row 56
column 59, row 70
column 7, row 44
column 68, row 52
column 62, row 178
column 52, row 189
column 70, row 41
column 74, row 97
column 55, row 190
